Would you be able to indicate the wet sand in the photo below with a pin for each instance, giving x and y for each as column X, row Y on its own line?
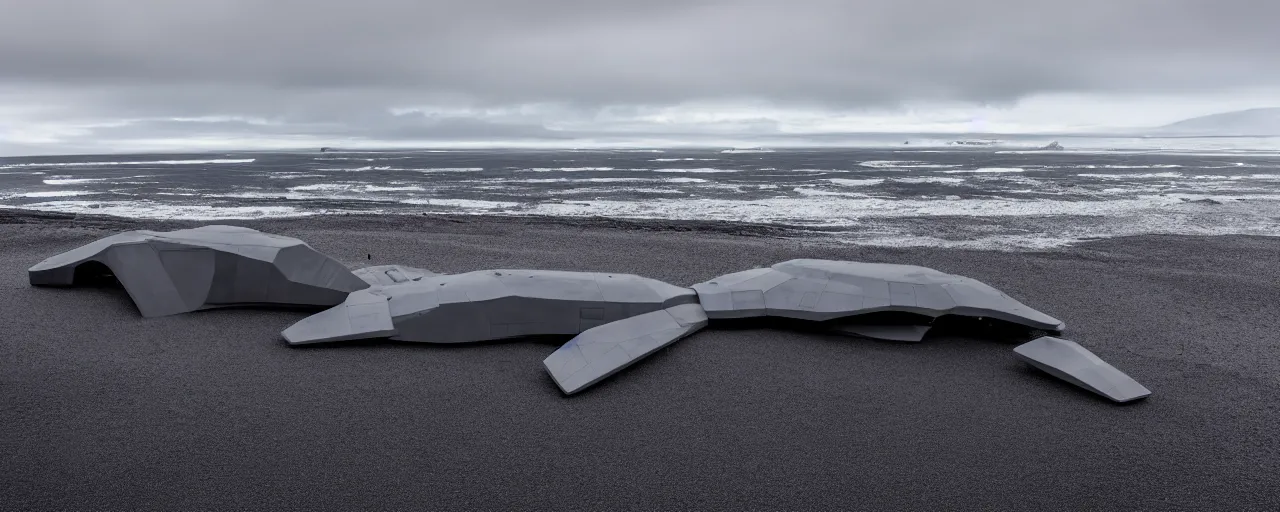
column 101, row 409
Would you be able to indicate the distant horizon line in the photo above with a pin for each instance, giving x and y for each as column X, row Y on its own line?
column 762, row 145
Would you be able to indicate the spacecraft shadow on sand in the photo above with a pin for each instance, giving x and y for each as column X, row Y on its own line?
column 615, row 320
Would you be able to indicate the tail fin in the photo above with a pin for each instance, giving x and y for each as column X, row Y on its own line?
column 1073, row 363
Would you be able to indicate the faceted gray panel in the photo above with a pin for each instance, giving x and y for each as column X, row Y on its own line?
column 174, row 272
column 911, row 333
column 365, row 314
column 821, row 290
column 604, row 350
column 1069, row 361
column 490, row 305
column 382, row 275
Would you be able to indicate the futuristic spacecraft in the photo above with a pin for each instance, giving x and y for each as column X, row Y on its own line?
column 615, row 320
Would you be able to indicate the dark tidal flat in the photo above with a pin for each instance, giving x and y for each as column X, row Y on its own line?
column 101, row 409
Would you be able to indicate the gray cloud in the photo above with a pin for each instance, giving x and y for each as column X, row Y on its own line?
column 376, row 126
column 319, row 64
column 614, row 51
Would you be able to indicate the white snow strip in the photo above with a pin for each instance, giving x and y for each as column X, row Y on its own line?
column 151, row 162
column 987, row 170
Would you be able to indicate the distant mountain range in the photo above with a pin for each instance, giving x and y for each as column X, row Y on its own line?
column 1257, row 122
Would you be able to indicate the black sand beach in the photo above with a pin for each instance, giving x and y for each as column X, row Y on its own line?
column 101, row 409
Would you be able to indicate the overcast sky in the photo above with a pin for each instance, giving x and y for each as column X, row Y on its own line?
column 83, row 74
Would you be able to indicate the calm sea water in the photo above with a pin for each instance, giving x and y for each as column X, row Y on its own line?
column 983, row 197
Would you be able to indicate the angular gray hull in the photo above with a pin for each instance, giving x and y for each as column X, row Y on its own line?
column 489, row 305
column 821, row 290
column 167, row 273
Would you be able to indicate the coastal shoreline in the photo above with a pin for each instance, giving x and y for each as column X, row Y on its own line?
column 104, row 409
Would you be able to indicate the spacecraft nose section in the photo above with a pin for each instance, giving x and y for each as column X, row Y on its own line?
column 363, row 316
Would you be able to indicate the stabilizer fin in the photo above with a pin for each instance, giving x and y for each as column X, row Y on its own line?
column 601, row 351
column 1069, row 361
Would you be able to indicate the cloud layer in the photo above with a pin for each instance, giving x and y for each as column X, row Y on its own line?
column 327, row 67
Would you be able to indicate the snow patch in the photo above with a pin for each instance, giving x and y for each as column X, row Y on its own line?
column 57, row 193
column 462, row 203
column 567, row 169
column 153, row 210
column 704, row 170
column 937, row 180
column 988, row 170
column 1150, row 175
column 151, row 162
column 904, row 164
column 856, row 183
